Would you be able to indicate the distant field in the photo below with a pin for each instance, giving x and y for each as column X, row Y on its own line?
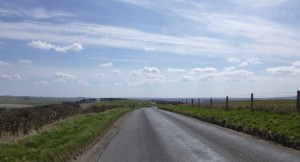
column 21, row 102
column 14, row 106
column 282, row 105
column 120, row 103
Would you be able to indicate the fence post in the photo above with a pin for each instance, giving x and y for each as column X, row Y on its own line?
column 298, row 101
column 211, row 102
column 252, row 102
column 186, row 101
column 192, row 102
column 199, row 102
column 226, row 103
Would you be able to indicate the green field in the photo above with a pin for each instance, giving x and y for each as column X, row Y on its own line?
column 281, row 127
column 10, row 101
column 61, row 140
column 282, row 105
column 119, row 103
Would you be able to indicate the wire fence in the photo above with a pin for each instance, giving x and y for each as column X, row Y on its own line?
column 278, row 101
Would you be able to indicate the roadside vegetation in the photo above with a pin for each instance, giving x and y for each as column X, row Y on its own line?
column 283, row 106
column 17, row 122
column 62, row 139
column 55, row 132
column 279, row 126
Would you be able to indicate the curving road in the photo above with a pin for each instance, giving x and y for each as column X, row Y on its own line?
column 155, row 135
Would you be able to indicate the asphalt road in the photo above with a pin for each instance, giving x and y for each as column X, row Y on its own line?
column 155, row 135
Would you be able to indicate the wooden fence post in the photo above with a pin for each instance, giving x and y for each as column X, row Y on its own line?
column 298, row 101
column 226, row 103
column 186, row 101
column 211, row 103
column 192, row 102
column 252, row 106
column 199, row 102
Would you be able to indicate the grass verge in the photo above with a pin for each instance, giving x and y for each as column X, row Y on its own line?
column 62, row 140
column 274, row 126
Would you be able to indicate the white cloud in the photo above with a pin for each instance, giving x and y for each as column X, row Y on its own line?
column 25, row 61
column 2, row 63
column 211, row 74
column 101, row 75
column 83, row 82
column 187, row 78
column 202, row 70
column 37, row 13
column 175, row 70
column 294, row 69
column 254, row 61
column 146, row 75
column 94, row 34
column 149, row 49
column 41, row 13
column 229, row 75
column 47, row 46
column 244, row 63
column 233, row 60
column 116, row 72
column 231, row 68
column 10, row 77
column 259, row 3
column 136, row 73
column 237, row 74
column 41, row 45
column 254, row 36
column 153, row 78
column 151, row 70
column 109, row 64
column 64, row 76
column 227, row 34
column 41, row 83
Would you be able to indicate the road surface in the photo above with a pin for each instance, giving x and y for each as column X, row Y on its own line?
column 156, row 135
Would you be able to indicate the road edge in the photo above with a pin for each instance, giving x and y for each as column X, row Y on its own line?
column 94, row 150
column 282, row 140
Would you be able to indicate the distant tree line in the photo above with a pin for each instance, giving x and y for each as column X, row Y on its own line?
column 112, row 99
column 23, row 120
column 167, row 102
column 87, row 100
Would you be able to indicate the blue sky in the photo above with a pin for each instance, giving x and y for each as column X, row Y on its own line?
column 149, row 48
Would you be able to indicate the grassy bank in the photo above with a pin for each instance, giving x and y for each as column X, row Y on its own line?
column 278, row 127
column 60, row 141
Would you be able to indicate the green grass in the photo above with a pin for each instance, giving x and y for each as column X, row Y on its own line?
column 276, row 126
column 32, row 101
column 121, row 103
column 62, row 140
column 279, row 105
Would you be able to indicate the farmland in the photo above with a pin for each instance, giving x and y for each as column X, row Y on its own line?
column 25, row 101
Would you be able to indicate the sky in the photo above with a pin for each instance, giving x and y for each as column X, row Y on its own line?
column 149, row 48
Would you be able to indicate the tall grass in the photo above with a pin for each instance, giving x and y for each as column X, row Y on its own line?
column 63, row 139
column 280, row 105
column 276, row 126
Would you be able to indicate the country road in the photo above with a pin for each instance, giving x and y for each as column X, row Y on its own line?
column 150, row 134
